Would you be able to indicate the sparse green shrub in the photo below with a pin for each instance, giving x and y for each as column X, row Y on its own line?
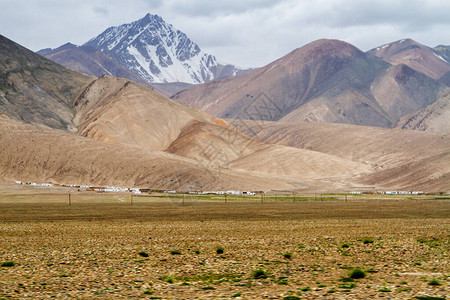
column 8, row 264
column 259, row 274
column 305, row 289
column 434, row 281
column 175, row 252
column 208, row 288
column 143, row 254
column 170, row 280
column 331, row 291
column 321, row 285
column 346, row 279
column 406, row 289
column 291, row 297
column 282, row 280
column 197, row 251
column 357, row 273
column 238, row 294
column 367, row 240
column 287, row 255
column 219, row 250
column 429, row 298
column 349, row 285
column 385, row 289
column 167, row 278
column 345, row 245
column 148, row 292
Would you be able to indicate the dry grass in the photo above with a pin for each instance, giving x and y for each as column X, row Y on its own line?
column 91, row 250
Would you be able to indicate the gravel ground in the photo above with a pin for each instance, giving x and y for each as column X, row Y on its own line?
column 305, row 250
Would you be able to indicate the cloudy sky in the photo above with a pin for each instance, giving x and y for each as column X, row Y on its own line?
column 249, row 33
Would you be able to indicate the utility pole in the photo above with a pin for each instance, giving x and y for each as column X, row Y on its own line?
column 70, row 200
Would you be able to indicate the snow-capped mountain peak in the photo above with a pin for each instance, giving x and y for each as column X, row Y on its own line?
column 156, row 51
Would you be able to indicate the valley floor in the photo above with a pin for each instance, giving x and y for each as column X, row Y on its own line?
column 164, row 250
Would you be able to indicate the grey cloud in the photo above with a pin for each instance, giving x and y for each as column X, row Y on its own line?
column 208, row 8
column 249, row 33
column 101, row 11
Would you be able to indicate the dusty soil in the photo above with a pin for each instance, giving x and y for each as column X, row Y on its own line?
column 91, row 250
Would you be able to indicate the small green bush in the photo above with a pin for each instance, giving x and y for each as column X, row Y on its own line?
column 238, row 294
column 8, row 264
column 148, row 292
column 434, row 281
column 219, row 250
column 208, row 288
column 175, row 252
column 287, row 255
column 259, row 274
column 291, row 297
column 367, row 240
column 357, row 273
column 305, row 289
column 345, row 245
column 170, row 280
column 385, row 289
column 143, row 254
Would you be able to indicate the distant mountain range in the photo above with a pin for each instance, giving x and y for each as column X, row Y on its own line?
column 331, row 81
column 148, row 50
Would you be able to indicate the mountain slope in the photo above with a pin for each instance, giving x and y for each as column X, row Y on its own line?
column 88, row 60
column 36, row 90
column 435, row 117
column 431, row 62
column 325, row 81
column 401, row 159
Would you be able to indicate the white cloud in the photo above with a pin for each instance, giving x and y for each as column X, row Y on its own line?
column 243, row 32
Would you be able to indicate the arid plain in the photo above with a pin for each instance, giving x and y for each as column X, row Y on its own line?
column 303, row 246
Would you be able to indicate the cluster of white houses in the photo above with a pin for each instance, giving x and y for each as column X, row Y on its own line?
column 390, row 192
column 240, row 193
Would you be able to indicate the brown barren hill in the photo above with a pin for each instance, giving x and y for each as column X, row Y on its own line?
column 34, row 153
column 435, row 117
column 415, row 55
column 324, row 81
column 401, row 159
column 36, row 90
column 118, row 110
